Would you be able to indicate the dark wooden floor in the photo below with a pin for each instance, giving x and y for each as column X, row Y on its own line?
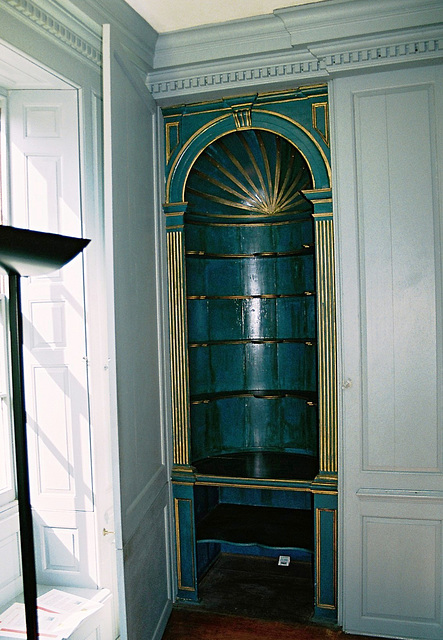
column 188, row 624
column 242, row 599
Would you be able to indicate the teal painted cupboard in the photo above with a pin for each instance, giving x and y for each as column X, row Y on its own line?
column 248, row 211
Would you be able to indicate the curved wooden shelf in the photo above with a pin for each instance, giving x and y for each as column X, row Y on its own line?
column 302, row 251
column 265, row 394
column 271, row 527
column 253, row 296
column 271, row 465
column 309, row 342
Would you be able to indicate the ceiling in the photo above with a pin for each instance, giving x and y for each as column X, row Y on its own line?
column 171, row 15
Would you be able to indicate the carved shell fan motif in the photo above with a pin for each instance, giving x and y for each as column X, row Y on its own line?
column 250, row 173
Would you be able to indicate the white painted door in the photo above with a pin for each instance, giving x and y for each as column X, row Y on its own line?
column 388, row 160
column 133, row 249
column 45, row 196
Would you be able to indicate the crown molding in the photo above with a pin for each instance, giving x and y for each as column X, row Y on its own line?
column 249, row 36
column 78, row 25
column 297, row 46
column 276, row 71
column 82, row 37
column 408, row 47
column 136, row 34
column 234, row 75
column 340, row 19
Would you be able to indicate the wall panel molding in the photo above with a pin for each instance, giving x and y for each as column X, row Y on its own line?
column 399, row 494
column 392, row 543
column 408, row 281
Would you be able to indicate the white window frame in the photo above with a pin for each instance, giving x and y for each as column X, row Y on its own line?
column 8, row 491
column 7, row 467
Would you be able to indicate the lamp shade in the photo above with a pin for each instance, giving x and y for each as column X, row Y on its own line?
column 33, row 253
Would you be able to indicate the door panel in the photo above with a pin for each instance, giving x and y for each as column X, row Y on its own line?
column 399, row 294
column 388, row 151
column 45, row 191
column 64, row 543
column 45, row 196
column 414, row 597
column 131, row 202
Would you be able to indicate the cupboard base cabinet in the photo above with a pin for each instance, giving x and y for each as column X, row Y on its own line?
column 256, row 520
column 248, row 211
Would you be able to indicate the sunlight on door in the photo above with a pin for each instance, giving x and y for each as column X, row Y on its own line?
column 44, row 169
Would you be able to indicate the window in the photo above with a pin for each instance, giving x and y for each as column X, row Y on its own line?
column 7, row 484
column 7, row 488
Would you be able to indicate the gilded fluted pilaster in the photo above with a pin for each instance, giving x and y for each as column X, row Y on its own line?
column 178, row 339
column 326, row 345
column 326, row 328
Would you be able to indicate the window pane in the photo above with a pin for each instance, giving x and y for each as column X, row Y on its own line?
column 7, row 492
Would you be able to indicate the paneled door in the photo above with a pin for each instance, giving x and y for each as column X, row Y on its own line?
column 388, row 143
column 134, row 268
column 45, row 196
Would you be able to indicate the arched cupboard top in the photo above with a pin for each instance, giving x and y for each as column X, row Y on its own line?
column 299, row 116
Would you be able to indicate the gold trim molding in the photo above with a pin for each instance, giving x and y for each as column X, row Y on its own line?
column 172, row 134
column 178, row 358
column 318, row 513
column 243, row 119
column 324, row 107
column 178, row 544
column 326, row 346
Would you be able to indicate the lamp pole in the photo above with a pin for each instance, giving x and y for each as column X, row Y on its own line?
column 28, row 253
column 21, row 458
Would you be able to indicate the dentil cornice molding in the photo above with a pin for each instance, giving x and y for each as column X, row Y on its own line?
column 298, row 45
column 234, row 74
column 78, row 25
column 54, row 22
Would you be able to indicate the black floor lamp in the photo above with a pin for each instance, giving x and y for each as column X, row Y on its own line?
column 28, row 253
